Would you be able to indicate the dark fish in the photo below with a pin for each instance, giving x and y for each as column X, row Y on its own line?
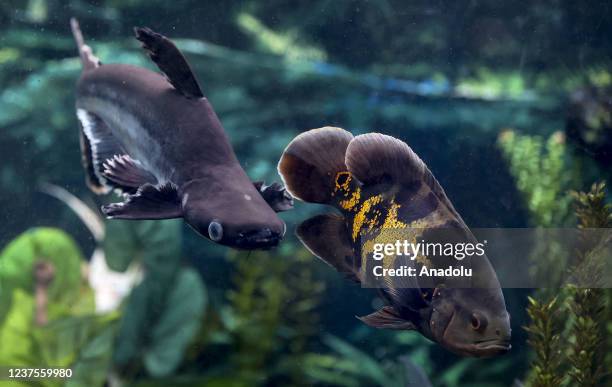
column 383, row 189
column 158, row 141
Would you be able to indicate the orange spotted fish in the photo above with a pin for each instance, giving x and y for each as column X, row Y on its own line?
column 384, row 192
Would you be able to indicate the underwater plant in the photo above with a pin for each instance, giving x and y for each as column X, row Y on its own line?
column 588, row 305
column 540, row 171
column 162, row 314
column 348, row 366
column 47, row 314
column 584, row 308
column 271, row 319
column 544, row 338
column 163, row 311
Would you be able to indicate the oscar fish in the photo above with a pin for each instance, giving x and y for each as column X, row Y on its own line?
column 157, row 140
column 383, row 192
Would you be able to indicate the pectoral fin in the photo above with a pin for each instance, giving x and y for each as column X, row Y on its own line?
column 275, row 195
column 327, row 237
column 149, row 202
column 127, row 173
column 387, row 318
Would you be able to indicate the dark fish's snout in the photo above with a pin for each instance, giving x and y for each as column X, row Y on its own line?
column 259, row 239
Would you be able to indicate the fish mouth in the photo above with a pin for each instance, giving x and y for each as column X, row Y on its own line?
column 492, row 347
column 264, row 239
column 480, row 348
column 483, row 348
column 493, row 343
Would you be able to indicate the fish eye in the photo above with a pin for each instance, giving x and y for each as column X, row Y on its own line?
column 478, row 322
column 215, row 231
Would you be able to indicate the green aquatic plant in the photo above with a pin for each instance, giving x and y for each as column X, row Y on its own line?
column 49, row 320
column 163, row 313
column 582, row 309
column 588, row 305
column 544, row 338
column 540, row 171
column 591, row 207
column 18, row 261
column 270, row 320
column 285, row 44
column 539, row 168
column 349, row 366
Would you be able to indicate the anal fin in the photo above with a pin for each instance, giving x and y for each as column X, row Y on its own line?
column 387, row 318
column 149, row 202
column 327, row 237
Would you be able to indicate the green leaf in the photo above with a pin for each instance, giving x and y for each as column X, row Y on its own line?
column 17, row 262
column 155, row 242
column 17, row 347
column 93, row 363
column 177, row 325
column 119, row 245
column 161, row 318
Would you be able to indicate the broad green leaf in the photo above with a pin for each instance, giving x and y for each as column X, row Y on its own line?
column 155, row 242
column 17, row 262
column 119, row 244
column 68, row 294
column 160, row 321
column 93, row 362
column 17, row 346
column 179, row 322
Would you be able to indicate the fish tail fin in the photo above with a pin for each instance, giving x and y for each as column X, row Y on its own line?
column 309, row 164
column 89, row 60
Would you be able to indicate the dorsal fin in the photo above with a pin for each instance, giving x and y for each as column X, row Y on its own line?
column 311, row 161
column 170, row 61
column 374, row 158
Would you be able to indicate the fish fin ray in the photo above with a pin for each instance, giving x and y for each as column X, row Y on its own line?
column 387, row 318
column 126, row 173
column 170, row 61
column 275, row 195
column 309, row 164
column 149, row 202
column 97, row 145
column 327, row 237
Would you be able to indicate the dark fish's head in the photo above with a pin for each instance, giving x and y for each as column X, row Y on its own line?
column 233, row 217
column 471, row 322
